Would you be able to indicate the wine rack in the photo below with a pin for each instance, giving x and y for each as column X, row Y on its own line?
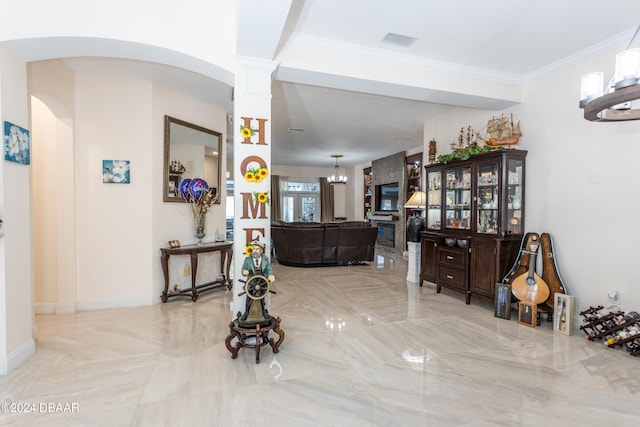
column 614, row 327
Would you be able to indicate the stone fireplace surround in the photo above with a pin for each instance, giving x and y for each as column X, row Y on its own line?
column 389, row 169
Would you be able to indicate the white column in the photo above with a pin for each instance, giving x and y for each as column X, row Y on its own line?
column 252, row 110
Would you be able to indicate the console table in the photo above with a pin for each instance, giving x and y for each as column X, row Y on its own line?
column 226, row 252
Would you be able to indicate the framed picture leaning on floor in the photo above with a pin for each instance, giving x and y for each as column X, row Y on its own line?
column 527, row 314
column 503, row 301
column 563, row 313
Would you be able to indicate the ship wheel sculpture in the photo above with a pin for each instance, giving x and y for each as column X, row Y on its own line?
column 257, row 287
column 252, row 328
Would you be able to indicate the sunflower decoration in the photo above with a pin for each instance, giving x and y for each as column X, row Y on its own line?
column 248, row 249
column 256, row 174
column 262, row 197
column 263, row 173
column 247, row 132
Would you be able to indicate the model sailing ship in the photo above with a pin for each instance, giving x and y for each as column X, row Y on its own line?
column 471, row 139
column 503, row 131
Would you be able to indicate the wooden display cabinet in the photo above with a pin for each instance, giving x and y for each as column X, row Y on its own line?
column 429, row 258
column 453, row 270
column 368, row 191
column 478, row 204
column 414, row 174
column 413, row 183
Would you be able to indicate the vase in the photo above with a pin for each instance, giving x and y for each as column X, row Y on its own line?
column 415, row 225
column 200, row 221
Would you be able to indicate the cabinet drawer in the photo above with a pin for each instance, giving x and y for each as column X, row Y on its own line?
column 453, row 278
column 453, row 258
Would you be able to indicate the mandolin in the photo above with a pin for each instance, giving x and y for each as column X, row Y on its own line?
column 521, row 265
column 529, row 287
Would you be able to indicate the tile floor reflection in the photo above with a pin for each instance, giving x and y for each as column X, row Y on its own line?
column 363, row 347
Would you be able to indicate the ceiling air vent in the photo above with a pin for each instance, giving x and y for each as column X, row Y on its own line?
column 398, row 39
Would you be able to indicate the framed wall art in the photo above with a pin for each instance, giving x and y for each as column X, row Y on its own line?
column 17, row 144
column 527, row 314
column 503, row 301
column 115, row 171
column 563, row 313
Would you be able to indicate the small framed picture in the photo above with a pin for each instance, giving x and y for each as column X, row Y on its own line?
column 173, row 185
column 17, row 144
column 563, row 306
column 116, row 171
column 174, row 244
column 527, row 314
column 503, row 301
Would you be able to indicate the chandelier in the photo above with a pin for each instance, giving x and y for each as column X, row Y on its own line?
column 338, row 177
column 613, row 103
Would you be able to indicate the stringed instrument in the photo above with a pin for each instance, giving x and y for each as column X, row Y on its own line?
column 529, row 287
column 550, row 273
column 521, row 264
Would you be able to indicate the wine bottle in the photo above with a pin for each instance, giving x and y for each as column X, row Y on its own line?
column 563, row 316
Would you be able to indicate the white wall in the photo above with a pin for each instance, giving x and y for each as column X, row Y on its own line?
column 120, row 227
column 44, row 165
column 175, row 220
column 52, row 86
column 204, row 30
column 114, row 221
column 580, row 182
column 16, row 283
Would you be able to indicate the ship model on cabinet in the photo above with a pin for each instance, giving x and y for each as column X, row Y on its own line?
column 503, row 131
column 472, row 138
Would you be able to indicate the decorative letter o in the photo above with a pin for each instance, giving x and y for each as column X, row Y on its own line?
column 249, row 159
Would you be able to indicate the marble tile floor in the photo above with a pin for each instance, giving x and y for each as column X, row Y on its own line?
column 363, row 347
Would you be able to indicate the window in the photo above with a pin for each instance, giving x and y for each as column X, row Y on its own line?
column 301, row 200
column 229, row 213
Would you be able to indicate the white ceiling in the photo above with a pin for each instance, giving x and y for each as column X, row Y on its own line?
column 508, row 36
column 507, row 40
column 502, row 40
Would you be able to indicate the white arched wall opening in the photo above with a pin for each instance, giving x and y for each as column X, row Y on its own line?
column 53, row 211
column 59, row 190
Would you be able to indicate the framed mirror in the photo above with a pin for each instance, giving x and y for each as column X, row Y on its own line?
column 190, row 151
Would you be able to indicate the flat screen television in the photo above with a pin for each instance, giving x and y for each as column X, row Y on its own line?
column 387, row 197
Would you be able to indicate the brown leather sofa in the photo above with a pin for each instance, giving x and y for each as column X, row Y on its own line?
column 316, row 244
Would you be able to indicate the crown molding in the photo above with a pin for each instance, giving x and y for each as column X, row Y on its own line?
column 620, row 41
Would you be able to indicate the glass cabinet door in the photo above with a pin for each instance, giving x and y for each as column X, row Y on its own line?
column 458, row 199
column 434, row 200
column 515, row 202
column 487, row 199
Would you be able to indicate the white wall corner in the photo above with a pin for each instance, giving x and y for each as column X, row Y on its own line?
column 18, row 357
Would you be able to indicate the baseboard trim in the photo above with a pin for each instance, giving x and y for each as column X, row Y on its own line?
column 74, row 307
column 101, row 304
column 66, row 308
column 44, row 308
column 18, row 357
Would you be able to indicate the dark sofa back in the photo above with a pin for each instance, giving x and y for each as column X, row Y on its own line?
column 356, row 243
column 313, row 243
